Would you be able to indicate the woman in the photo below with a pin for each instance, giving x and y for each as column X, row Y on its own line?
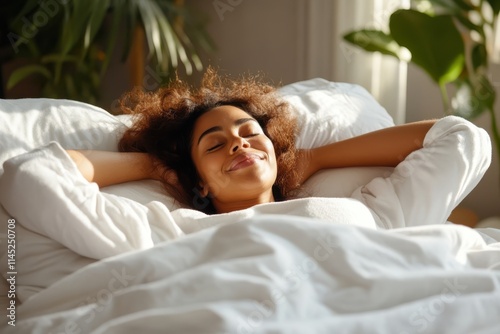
column 226, row 152
column 233, row 143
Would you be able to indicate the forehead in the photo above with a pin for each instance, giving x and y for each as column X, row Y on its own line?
column 219, row 116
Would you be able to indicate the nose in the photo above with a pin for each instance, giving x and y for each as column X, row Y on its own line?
column 239, row 143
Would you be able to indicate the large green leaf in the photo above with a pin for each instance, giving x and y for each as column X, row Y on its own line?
column 26, row 71
column 434, row 42
column 375, row 41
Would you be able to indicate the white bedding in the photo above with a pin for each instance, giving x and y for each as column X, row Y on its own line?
column 126, row 259
column 283, row 274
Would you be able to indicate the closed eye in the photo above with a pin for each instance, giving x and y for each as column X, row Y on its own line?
column 213, row 148
column 252, row 135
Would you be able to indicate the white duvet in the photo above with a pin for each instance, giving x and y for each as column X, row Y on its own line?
column 283, row 274
column 311, row 265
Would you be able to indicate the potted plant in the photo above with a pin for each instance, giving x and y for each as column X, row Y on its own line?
column 67, row 45
column 450, row 40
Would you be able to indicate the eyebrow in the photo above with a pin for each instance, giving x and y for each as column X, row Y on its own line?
column 219, row 128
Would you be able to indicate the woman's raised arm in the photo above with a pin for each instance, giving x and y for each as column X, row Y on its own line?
column 385, row 147
column 108, row 168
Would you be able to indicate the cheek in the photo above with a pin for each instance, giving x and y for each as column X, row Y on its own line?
column 212, row 164
column 207, row 167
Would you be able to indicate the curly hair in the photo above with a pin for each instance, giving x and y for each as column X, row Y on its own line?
column 164, row 121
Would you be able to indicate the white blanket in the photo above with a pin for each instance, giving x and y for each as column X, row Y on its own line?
column 283, row 274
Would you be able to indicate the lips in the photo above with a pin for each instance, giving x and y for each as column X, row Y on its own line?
column 243, row 160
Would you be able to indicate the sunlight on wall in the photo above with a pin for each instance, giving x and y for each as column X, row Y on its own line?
column 384, row 77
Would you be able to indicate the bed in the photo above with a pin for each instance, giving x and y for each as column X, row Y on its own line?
column 250, row 273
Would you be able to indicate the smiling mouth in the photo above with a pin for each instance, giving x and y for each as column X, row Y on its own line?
column 244, row 160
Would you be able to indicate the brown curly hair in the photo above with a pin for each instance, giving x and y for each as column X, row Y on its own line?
column 164, row 121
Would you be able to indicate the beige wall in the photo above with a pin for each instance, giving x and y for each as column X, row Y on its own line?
column 256, row 36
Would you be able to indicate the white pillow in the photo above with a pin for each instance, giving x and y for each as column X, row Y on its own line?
column 332, row 111
column 329, row 112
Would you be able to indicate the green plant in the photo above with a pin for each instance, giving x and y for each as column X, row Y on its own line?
column 450, row 40
column 67, row 44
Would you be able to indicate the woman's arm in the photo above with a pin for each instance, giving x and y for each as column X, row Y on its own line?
column 108, row 168
column 385, row 147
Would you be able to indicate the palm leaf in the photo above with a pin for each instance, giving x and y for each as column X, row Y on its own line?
column 119, row 10
column 130, row 24
column 172, row 44
column 151, row 28
column 94, row 23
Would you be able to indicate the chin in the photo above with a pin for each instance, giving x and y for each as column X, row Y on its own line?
column 260, row 179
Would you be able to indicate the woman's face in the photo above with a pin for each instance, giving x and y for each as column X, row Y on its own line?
column 234, row 158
